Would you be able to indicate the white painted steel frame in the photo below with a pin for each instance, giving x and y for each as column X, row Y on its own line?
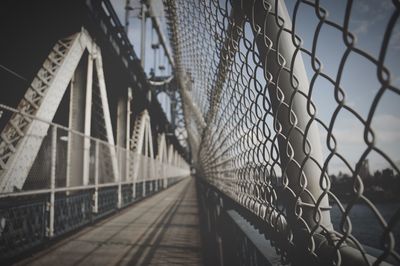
column 17, row 167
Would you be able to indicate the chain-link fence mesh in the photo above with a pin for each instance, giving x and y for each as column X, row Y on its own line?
column 286, row 111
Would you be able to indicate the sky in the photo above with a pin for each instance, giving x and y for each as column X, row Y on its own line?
column 368, row 22
column 134, row 31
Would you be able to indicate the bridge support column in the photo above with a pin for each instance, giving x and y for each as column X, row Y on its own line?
column 145, row 166
column 88, row 119
column 75, row 157
column 50, row 229
column 96, row 178
column 123, row 130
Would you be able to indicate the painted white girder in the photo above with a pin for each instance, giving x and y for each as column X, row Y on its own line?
column 88, row 115
column 162, row 149
column 22, row 137
column 106, row 112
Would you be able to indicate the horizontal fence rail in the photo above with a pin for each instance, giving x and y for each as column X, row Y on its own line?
column 287, row 114
column 56, row 198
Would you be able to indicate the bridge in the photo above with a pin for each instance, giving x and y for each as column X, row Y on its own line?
column 184, row 132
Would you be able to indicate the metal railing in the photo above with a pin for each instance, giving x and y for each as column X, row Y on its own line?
column 267, row 125
column 63, row 192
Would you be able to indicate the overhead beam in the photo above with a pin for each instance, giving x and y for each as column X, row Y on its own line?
column 163, row 40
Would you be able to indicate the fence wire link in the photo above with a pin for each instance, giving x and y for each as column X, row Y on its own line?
column 241, row 69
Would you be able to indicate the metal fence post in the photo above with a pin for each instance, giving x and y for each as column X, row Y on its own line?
column 52, row 180
column 156, row 172
column 96, row 177
column 144, row 177
column 127, row 165
column 119, row 189
column 134, row 177
column 166, row 170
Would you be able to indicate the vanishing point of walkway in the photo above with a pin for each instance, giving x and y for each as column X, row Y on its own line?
column 160, row 230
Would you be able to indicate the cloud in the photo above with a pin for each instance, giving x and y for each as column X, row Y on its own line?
column 395, row 38
column 364, row 8
column 366, row 15
column 387, row 128
column 361, row 26
column 351, row 145
column 351, row 136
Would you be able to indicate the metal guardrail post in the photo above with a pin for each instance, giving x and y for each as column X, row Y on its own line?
column 127, row 138
column 119, row 203
column 218, row 231
column 119, row 194
column 50, row 232
column 150, row 175
column 127, row 168
column 144, row 188
column 134, row 177
column 96, row 178
column 156, row 177
column 144, row 177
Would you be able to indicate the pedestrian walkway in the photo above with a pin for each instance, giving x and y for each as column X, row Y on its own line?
column 160, row 230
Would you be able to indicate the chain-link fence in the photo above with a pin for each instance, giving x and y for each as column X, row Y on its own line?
column 72, row 180
column 77, row 161
column 296, row 119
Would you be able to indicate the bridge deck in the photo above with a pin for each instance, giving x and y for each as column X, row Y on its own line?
column 160, row 230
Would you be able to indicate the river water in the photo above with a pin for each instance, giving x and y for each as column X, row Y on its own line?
column 366, row 226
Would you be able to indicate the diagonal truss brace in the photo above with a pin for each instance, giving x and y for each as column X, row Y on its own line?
column 22, row 137
column 141, row 141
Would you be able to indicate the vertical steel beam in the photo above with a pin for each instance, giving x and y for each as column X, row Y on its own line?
column 138, row 140
column 127, row 11
column 96, row 177
column 122, row 121
column 151, row 152
column 146, row 153
column 119, row 202
column 136, row 160
column 76, row 122
column 52, row 179
column 143, row 36
column 127, row 139
column 162, row 157
column 106, row 112
column 122, row 125
column 161, row 36
column 88, row 119
column 122, row 132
